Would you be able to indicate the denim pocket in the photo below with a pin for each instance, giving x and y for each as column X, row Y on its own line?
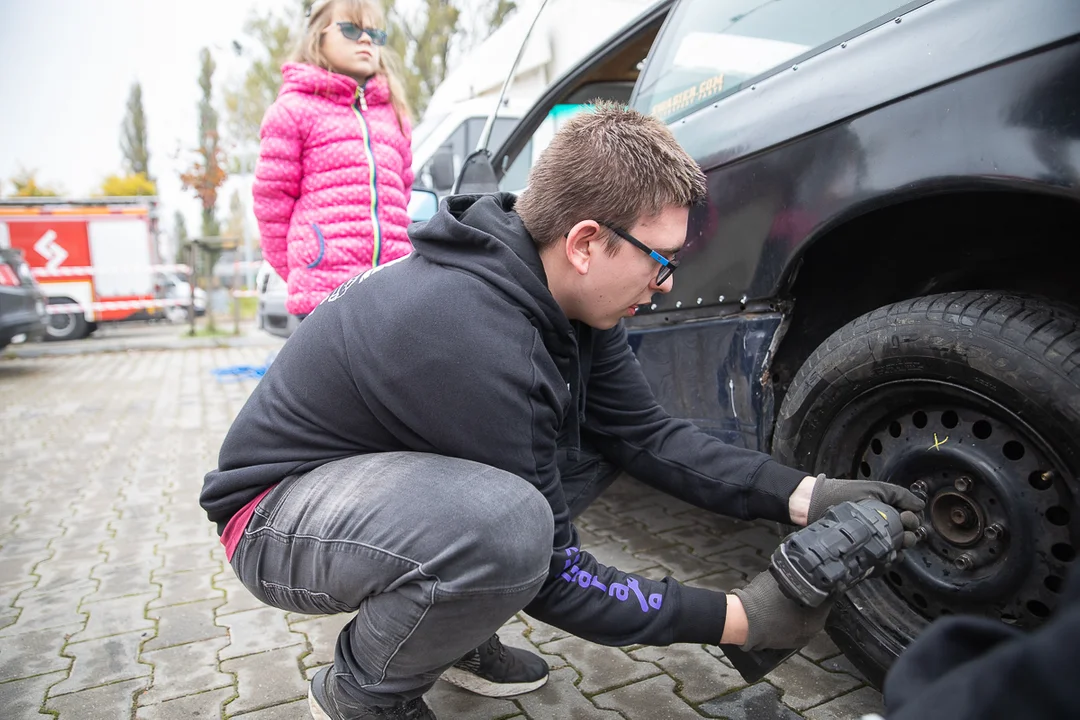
column 302, row 600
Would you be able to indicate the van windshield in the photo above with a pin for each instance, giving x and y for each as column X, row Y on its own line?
column 711, row 47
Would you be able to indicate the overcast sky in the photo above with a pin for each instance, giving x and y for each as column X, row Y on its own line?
column 68, row 66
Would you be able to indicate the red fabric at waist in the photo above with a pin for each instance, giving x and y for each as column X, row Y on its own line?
column 234, row 529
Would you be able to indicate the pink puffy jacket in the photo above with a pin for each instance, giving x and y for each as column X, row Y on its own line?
column 332, row 181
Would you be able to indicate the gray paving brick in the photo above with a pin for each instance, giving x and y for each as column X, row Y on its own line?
column 321, row 633
column 702, row 541
column 237, row 597
column 67, row 566
column 204, row 706
column 804, row 684
column 266, row 679
column 723, row 581
column 14, row 544
column 34, row 653
column 102, row 661
column 109, row 702
column 254, row 631
column 184, row 587
column 656, row 519
column 648, row 700
column 597, row 518
column 112, row 617
column 42, row 610
column 513, row 635
column 288, row 711
column 756, row 702
column 24, row 698
column 121, row 579
column 130, row 552
column 853, row 705
column 560, row 700
column 748, row 563
column 701, row 676
column 819, row 648
column 540, row 632
column 20, row 567
column 601, row 667
column 184, row 623
column 635, row 538
column 185, row 670
column 761, row 538
column 448, row 702
column 612, row 555
column 840, row 663
column 682, row 564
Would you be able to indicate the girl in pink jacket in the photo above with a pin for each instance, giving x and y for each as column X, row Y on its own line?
column 334, row 173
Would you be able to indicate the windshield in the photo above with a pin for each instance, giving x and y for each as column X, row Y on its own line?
column 427, row 126
column 711, row 47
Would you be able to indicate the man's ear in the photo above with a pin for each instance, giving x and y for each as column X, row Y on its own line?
column 582, row 243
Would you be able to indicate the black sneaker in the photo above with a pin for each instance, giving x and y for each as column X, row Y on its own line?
column 495, row 670
column 326, row 703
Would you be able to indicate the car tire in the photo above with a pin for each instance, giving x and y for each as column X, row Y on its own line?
column 973, row 400
column 65, row 326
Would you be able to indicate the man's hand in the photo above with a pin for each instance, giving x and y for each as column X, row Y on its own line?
column 814, row 496
column 774, row 621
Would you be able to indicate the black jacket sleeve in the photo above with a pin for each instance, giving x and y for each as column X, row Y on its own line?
column 966, row 668
column 674, row 455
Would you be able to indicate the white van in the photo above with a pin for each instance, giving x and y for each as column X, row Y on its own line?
column 444, row 138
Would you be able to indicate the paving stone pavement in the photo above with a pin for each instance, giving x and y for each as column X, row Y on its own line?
column 116, row 600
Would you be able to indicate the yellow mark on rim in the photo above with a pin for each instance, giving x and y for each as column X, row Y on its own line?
column 938, row 443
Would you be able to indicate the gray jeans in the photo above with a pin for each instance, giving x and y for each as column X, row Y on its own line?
column 433, row 554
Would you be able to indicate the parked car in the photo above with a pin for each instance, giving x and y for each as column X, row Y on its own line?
column 23, row 316
column 882, row 283
column 170, row 286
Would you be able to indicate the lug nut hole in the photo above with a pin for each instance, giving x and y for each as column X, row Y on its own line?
column 1063, row 552
column 949, row 419
column 1013, row 450
column 919, row 419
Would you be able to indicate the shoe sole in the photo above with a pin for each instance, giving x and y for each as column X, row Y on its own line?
column 317, row 713
column 478, row 685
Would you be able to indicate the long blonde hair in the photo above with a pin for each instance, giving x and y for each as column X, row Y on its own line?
column 364, row 13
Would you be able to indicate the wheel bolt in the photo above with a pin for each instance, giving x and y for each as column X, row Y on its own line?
column 963, row 483
column 964, row 562
column 995, row 532
column 919, row 488
column 921, row 533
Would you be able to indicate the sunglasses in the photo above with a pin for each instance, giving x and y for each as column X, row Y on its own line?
column 353, row 32
column 667, row 267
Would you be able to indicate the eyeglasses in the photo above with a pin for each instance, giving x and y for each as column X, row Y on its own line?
column 352, row 31
column 667, row 267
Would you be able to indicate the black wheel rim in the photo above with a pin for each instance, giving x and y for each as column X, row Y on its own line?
column 1001, row 521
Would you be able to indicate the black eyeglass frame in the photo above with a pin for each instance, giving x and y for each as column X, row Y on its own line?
column 378, row 37
column 667, row 267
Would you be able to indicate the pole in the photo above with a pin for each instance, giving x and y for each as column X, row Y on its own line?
column 193, row 262
column 235, row 298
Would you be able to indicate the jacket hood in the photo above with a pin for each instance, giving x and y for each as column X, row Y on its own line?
column 482, row 235
column 311, row 80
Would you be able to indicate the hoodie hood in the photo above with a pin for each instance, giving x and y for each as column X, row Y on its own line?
column 483, row 236
column 311, row 80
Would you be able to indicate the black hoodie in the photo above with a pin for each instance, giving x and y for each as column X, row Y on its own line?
column 459, row 349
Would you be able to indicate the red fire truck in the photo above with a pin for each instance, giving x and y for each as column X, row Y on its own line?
column 95, row 259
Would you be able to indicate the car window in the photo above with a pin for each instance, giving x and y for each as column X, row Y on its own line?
column 711, row 47
column 515, row 177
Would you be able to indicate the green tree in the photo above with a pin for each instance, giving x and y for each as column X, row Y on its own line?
column 426, row 39
column 207, row 173
column 26, row 185
column 133, row 142
column 128, row 185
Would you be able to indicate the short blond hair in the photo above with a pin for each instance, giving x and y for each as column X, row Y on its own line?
column 610, row 164
column 364, row 13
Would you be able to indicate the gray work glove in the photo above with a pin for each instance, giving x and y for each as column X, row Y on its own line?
column 828, row 492
column 773, row 620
